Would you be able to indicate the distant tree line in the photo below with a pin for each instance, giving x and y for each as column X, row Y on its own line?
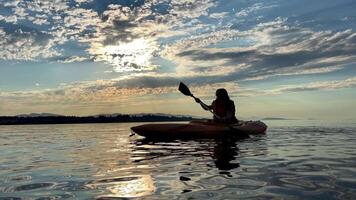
column 15, row 120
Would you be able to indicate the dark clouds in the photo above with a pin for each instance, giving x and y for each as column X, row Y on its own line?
column 290, row 50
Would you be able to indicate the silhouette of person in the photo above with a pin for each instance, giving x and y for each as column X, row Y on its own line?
column 223, row 107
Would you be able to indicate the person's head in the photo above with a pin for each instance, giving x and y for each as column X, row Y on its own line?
column 221, row 94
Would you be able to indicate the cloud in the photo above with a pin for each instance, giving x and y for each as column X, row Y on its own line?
column 190, row 9
column 219, row 15
column 103, row 34
column 130, row 38
column 9, row 19
column 73, row 59
column 269, row 49
column 324, row 85
column 83, row 1
column 26, row 42
column 21, row 45
column 111, row 91
column 43, row 28
column 123, row 92
column 254, row 8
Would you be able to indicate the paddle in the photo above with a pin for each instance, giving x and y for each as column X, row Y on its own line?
column 185, row 90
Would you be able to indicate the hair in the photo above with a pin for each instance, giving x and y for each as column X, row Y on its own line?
column 222, row 95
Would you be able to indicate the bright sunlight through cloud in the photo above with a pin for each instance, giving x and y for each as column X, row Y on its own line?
column 132, row 56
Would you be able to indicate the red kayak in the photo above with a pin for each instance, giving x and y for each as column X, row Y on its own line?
column 200, row 129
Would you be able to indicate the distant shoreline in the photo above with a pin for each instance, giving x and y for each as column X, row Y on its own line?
column 275, row 118
column 120, row 118
column 50, row 118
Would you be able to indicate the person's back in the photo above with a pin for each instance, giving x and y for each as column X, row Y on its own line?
column 225, row 111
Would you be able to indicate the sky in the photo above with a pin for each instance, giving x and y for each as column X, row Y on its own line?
column 293, row 59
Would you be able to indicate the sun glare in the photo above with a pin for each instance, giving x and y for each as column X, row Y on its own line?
column 133, row 56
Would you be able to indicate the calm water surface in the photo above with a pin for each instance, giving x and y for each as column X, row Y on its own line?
column 294, row 160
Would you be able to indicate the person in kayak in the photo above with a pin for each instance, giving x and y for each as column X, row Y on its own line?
column 223, row 107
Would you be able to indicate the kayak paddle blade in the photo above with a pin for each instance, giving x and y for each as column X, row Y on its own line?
column 184, row 89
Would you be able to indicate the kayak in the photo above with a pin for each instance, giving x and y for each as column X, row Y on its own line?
column 200, row 129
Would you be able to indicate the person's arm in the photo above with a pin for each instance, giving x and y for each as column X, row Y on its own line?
column 203, row 105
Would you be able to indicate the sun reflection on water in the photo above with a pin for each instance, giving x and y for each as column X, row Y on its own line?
column 117, row 175
column 136, row 186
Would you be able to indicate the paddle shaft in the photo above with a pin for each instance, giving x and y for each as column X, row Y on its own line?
column 215, row 115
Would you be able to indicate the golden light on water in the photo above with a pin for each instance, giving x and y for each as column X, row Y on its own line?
column 129, row 187
column 113, row 167
column 132, row 56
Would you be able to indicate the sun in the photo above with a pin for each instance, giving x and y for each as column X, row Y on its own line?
column 132, row 56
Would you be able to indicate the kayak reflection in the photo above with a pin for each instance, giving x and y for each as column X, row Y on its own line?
column 223, row 152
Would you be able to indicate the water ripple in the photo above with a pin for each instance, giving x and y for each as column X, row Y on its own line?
column 101, row 161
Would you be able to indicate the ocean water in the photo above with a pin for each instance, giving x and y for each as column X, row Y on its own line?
column 294, row 160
